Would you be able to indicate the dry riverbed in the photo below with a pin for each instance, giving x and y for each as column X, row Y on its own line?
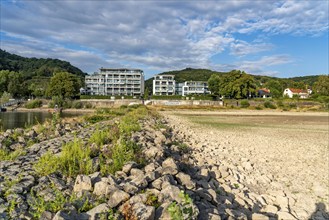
column 282, row 156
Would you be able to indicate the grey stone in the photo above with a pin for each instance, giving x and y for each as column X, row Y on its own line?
column 116, row 197
column 97, row 211
column 258, row 216
column 143, row 212
column 185, row 180
column 82, row 183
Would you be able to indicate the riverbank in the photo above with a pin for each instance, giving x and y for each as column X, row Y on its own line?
column 131, row 163
column 275, row 154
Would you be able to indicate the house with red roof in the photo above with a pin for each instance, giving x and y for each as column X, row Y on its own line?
column 264, row 93
column 290, row 92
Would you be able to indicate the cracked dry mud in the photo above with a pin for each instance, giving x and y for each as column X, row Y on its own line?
column 283, row 155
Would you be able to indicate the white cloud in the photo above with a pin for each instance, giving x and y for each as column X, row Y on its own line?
column 159, row 34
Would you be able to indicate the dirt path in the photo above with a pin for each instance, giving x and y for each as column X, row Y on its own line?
column 284, row 155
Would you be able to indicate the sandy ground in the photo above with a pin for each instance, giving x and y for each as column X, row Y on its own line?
column 288, row 151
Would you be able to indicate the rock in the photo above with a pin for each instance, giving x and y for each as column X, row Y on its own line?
column 82, row 183
column 116, row 197
column 63, row 215
column 95, row 177
column 170, row 163
column 257, row 216
column 153, row 153
column 143, row 212
column 130, row 188
column 185, row 180
column 103, row 188
column 140, row 182
column 128, row 166
column 170, row 193
column 285, row 216
column 98, row 211
column 46, row 215
column 162, row 212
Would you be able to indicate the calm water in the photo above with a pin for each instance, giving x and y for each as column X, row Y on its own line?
column 9, row 120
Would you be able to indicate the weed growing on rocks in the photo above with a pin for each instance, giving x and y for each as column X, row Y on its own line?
column 183, row 210
column 74, row 159
column 11, row 155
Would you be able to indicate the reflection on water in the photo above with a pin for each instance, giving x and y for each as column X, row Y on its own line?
column 9, row 120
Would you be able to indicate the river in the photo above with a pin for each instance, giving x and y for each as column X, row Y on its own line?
column 10, row 120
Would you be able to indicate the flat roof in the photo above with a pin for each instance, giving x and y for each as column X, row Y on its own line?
column 120, row 69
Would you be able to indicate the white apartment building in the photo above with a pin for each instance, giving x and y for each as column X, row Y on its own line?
column 115, row 82
column 195, row 88
column 164, row 85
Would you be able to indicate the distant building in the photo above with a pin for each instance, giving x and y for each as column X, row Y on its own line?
column 115, row 82
column 290, row 92
column 195, row 88
column 164, row 85
column 264, row 93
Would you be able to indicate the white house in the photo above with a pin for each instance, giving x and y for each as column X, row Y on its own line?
column 290, row 92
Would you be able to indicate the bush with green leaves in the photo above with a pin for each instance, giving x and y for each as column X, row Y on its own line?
column 11, row 155
column 185, row 210
column 37, row 103
column 268, row 104
column 77, row 105
column 244, row 104
column 73, row 160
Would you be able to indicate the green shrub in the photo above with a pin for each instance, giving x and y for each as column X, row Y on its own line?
column 74, row 159
column 33, row 104
column 11, row 155
column 38, row 204
column 77, row 105
column 95, row 118
column 268, row 104
column 280, row 104
column 88, row 105
column 99, row 137
column 244, row 104
column 183, row 210
column 258, row 107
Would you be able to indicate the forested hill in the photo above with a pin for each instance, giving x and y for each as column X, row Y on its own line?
column 32, row 67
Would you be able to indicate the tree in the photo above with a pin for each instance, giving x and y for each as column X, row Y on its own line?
column 321, row 86
column 213, row 84
column 275, row 87
column 64, row 85
column 236, row 84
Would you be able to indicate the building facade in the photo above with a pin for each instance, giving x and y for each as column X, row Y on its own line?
column 290, row 92
column 195, row 88
column 164, row 85
column 116, row 82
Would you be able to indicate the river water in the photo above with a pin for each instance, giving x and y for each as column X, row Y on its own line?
column 10, row 120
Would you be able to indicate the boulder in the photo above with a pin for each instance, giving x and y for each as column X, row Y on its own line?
column 82, row 183
column 116, row 197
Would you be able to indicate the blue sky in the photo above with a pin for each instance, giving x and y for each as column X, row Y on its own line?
column 277, row 38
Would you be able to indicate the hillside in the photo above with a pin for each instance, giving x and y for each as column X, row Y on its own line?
column 32, row 67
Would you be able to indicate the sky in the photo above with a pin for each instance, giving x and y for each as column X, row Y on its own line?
column 274, row 38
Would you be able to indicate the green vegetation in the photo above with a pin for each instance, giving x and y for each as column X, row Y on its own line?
column 112, row 146
column 268, row 104
column 244, row 104
column 37, row 103
column 235, row 84
column 64, row 85
column 11, row 155
column 183, row 210
column 22, row 77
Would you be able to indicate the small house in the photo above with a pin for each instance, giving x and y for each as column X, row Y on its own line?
column 290, row 92
column 264, row 93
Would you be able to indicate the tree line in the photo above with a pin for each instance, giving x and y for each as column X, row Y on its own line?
column 239, row 85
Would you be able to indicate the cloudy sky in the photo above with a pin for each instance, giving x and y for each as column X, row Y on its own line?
column 278, row 38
